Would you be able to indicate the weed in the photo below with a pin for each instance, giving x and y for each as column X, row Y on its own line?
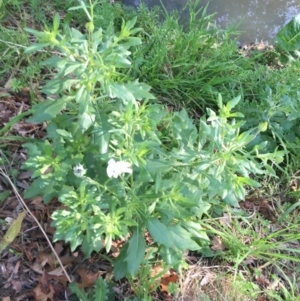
column 99, row 123
column 122, row 165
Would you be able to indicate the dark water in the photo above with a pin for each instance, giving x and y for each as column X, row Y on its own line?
column 261, row 19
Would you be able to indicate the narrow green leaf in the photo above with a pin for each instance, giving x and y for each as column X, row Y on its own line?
column 36, row 47
column 56, row 21
column 220, row 101
column 287, row 212
column 38, row 34
column 75, row 8
column 249, row 182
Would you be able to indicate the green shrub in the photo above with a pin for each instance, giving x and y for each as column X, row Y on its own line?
column 122, row 164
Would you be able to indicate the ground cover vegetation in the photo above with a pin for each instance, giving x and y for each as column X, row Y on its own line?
column 154, row 159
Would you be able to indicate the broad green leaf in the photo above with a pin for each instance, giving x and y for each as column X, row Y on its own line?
column 121, row 92
column 232, row 103
column 130, row 91
column 231, row 200
column 58, row 85
column 84, row 101
column 196, row 230
column 101, row 290
column 245, row 137
column 172, row 257
column 86, row 120
column 132, row 41
column 120, row 264
column 182, row 239
column 81, row 93
column 118, row 60
column 79, row 292
column 47, row 110
column 288, row 38
column 4, row 195
column 102, row 135
column 135, row 251
column 72, row 66
column 155, row 166
column 160, row 232
column 65, row 134
column 130, row 24
column 12, row 232
column 94, row 244
column 263, row 126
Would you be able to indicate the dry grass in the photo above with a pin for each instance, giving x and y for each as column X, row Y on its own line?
column 212, row 283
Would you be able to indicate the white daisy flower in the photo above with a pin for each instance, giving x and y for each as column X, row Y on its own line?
column 79, row 171
column 115, row 169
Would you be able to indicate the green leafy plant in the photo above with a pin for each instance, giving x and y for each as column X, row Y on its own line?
column 288, row 40
column 92, row 67
column 100, row 292
column 279, row 112
column 121, row 164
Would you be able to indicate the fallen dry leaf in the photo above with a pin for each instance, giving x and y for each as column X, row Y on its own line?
column 17, row 285
column 24, row 175
column 29, row 249
column 206, row 279
column 156, row 271
column 50, row 259
column 60, row 279
column 217, row 244
column 57, row 272
column 87, row 279
column 44, row 291
column 12, row 232
column 226, row 220
column 37, row 267
column 263, row 281
column 38, row 203
column 274, row 284
column 261, row 205
column 261, row 299
column 6, row 299
column 170, row 277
